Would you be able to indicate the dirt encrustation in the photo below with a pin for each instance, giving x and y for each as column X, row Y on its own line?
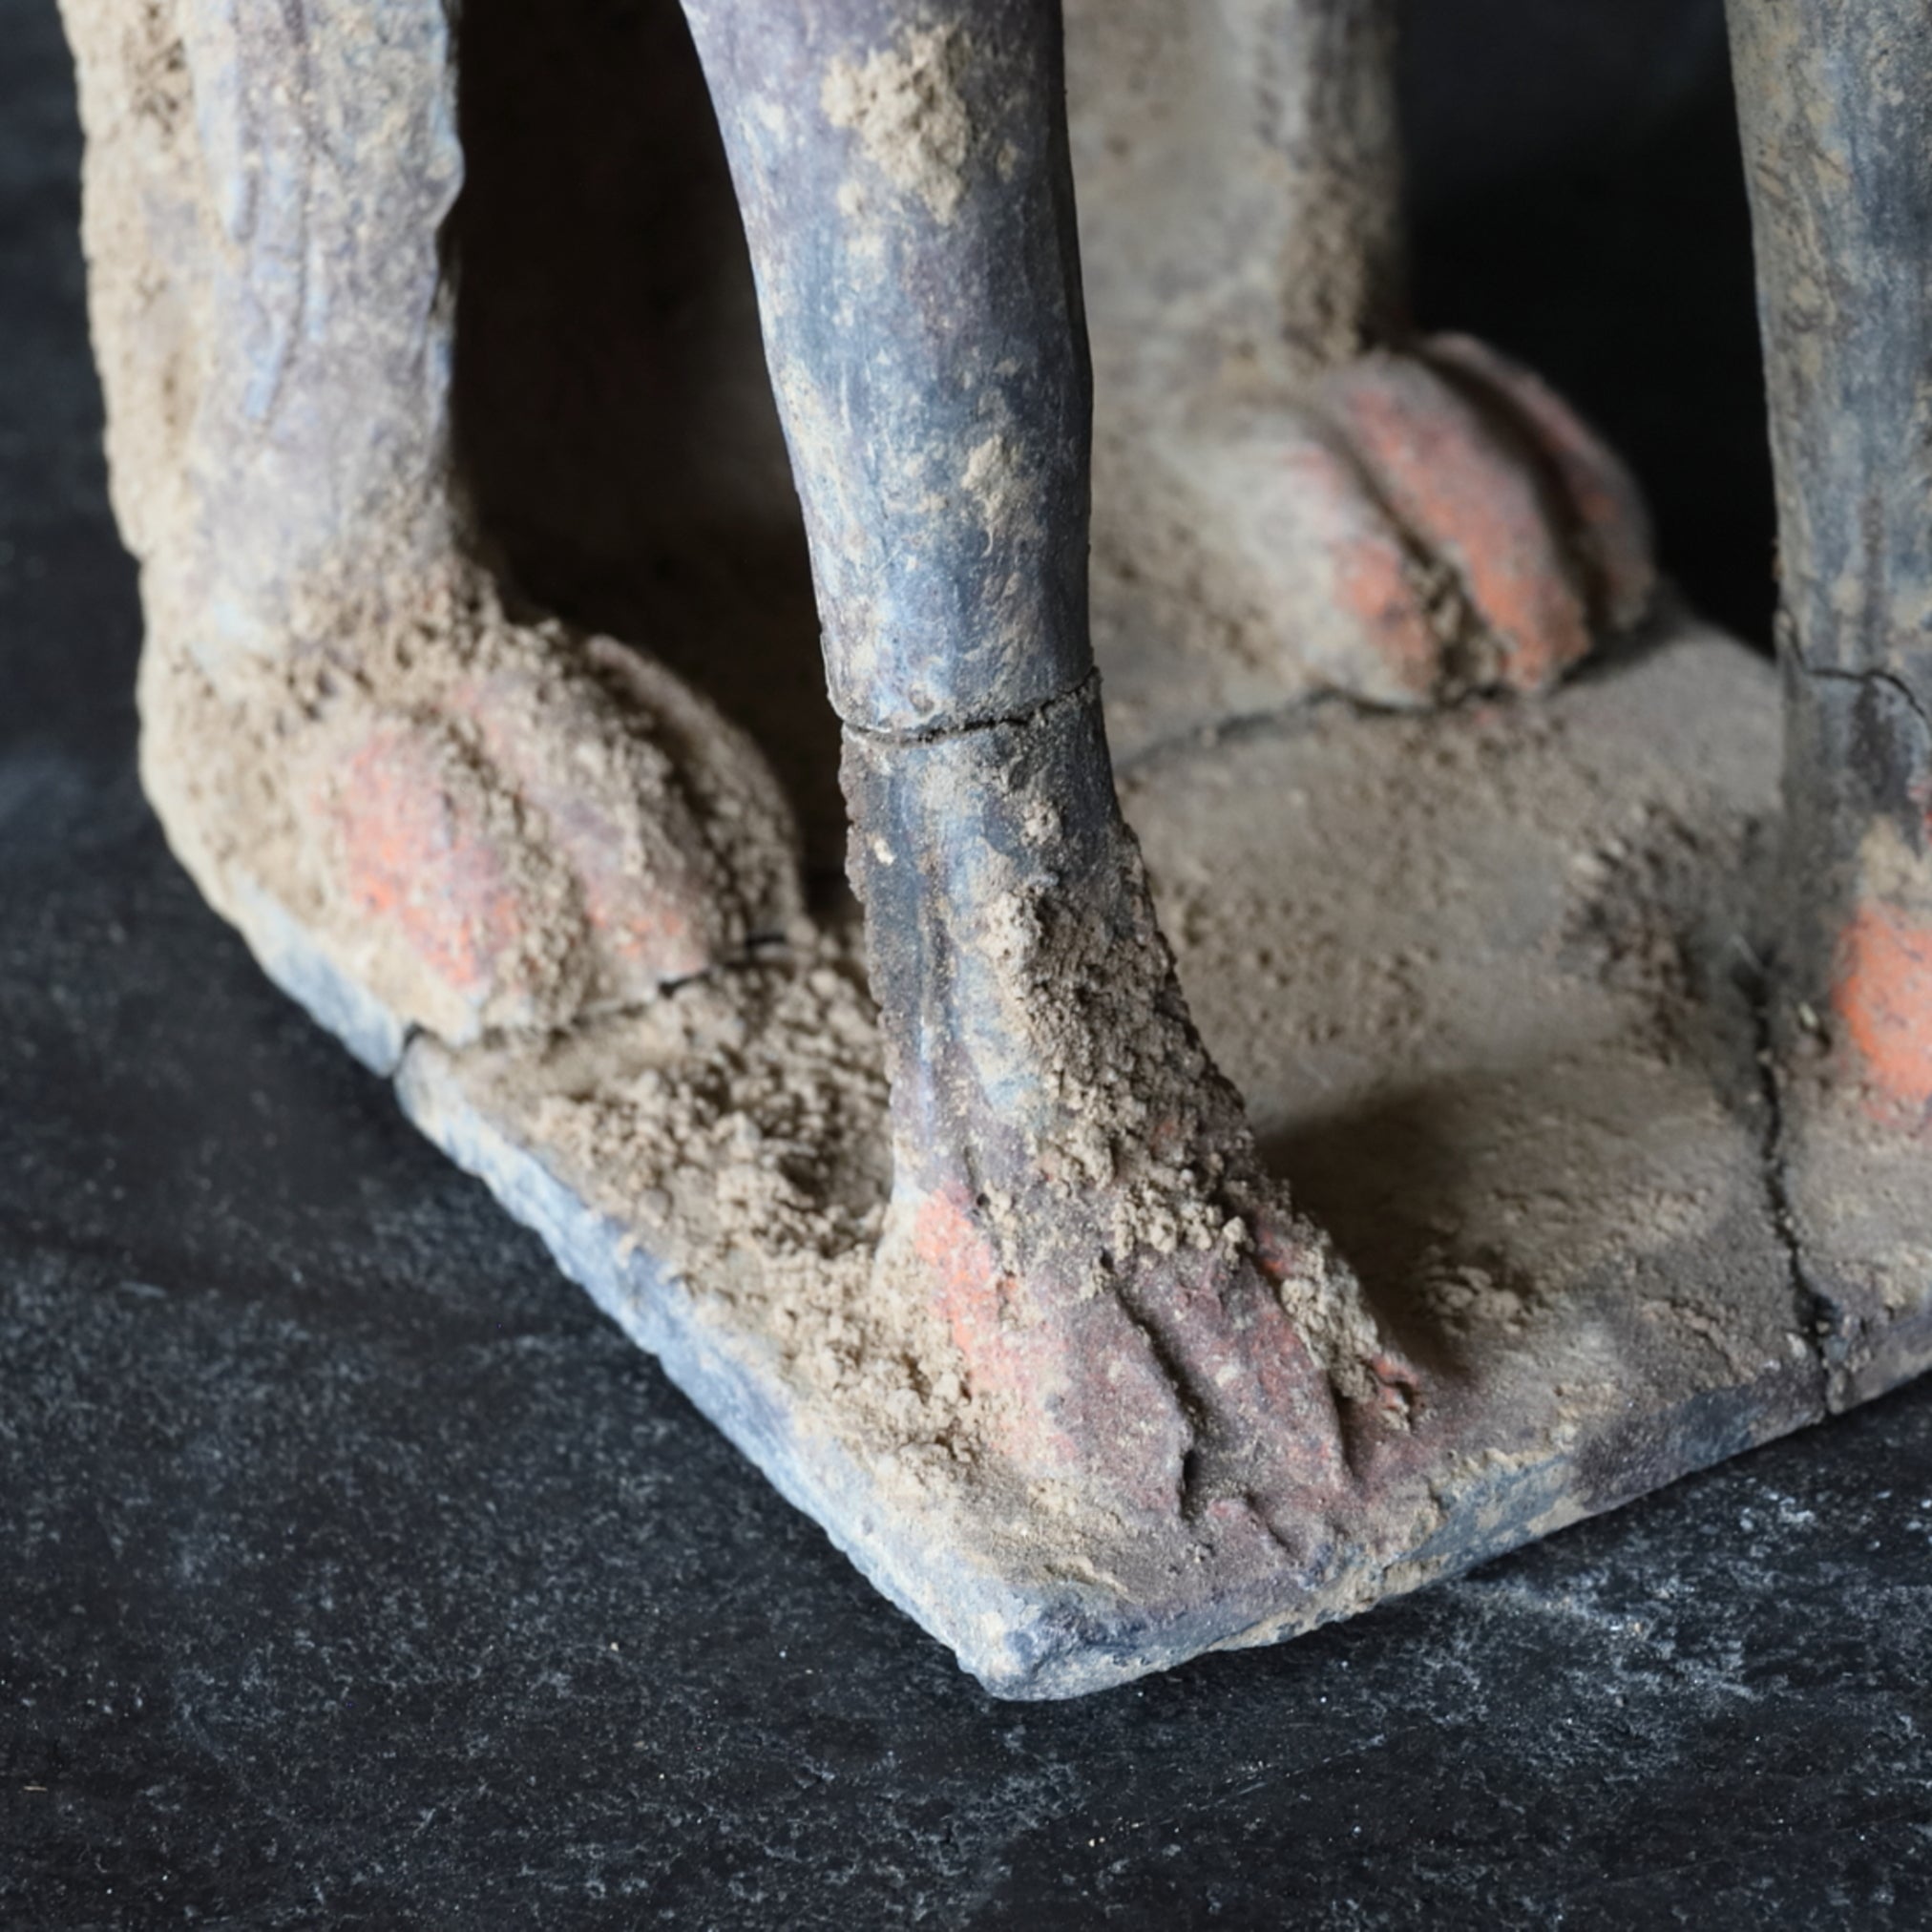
column 590, row 791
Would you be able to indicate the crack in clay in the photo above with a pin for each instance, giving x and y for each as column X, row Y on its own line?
column 1817, row 1312
column 1290, row 715
column 1191, row 1499
column 1234, row 728
column 1875, row 674
column 940, row 734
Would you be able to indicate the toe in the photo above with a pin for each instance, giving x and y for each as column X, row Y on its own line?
column 738, row 808
column 539, row 830
column 608, row 805
column 1459, row 482
column 1374, row 627
column 1173, row 1382
column 1310, row 561
column 1881, row 998
column 451, row 912
column 1609, row 523
column 1071, row 1391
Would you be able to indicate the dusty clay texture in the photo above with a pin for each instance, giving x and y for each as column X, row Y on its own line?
column 738, row 1125
column 906, row 107
column 1481, row 976
column 147, row 248
column 1140, row 1118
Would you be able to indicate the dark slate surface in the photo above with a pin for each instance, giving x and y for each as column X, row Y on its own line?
column 353, row 1572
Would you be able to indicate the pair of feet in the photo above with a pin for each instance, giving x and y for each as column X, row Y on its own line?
column 486, row 825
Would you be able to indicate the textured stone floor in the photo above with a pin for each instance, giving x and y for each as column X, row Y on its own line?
column 354, row 1571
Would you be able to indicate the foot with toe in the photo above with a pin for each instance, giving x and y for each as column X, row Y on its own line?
column 1852, row 1017
column 1412, row 526
column 1155, row 1345
column 1295, row 477
column 478, row 823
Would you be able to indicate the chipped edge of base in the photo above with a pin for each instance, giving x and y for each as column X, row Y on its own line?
column 297, row 963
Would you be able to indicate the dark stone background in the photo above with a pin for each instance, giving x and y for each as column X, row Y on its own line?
column 354, row 1572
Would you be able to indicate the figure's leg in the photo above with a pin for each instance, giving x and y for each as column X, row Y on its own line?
column 1076, row 1188
column 1833, row 98
column 1834, row 103
column 465, row 820
column 1395, row 517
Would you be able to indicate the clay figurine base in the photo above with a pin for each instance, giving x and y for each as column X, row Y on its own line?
column 1490, row 985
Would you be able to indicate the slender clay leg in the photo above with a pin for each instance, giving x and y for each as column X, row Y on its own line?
column 308, row 160
column 420, row 811
column 1832, row 97
column 1076, row 1188
column 1240, row 167
column 1276, row 454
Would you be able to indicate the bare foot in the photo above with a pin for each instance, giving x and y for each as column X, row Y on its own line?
column 480, row 824
column 1854, row 1079
column 1153, row 1334
column 1415, row 525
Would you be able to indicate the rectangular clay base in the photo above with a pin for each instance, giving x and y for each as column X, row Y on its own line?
column 1488, row 983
